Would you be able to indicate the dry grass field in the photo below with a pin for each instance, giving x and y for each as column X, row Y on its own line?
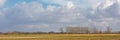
column 60, row 37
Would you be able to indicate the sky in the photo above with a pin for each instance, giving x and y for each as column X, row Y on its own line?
column 51, row 15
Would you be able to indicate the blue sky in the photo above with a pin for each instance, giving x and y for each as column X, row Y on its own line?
column 10, row 3
column 51, row 15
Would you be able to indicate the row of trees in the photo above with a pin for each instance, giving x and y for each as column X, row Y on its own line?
column 76, row 31
column 56, row 33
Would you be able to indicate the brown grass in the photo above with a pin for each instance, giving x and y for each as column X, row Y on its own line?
column 60, row 37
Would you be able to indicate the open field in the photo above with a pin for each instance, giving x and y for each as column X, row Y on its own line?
column 60, row 37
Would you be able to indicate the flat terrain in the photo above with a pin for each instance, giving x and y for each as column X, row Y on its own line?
column 60, row 37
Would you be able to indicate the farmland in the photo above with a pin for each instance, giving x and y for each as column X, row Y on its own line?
column 59, row 36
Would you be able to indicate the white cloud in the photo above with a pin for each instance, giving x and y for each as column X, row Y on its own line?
column 94, row 2
column 38, row 26
column 107, row 13
column 2, row 2
column 70, row 5
column 108, row 3
column 34, row 14
column 24, row 11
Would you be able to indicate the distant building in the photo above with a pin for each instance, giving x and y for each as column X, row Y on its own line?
column 108, row 30
column 61, row 30
column 77, row 29
column 93, row 30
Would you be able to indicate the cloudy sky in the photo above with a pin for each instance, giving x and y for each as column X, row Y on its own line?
column 51, row 15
